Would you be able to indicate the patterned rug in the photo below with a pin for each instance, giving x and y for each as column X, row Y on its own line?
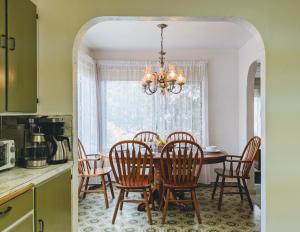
column 235, row 215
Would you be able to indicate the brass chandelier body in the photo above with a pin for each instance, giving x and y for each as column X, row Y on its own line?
column 166, row 79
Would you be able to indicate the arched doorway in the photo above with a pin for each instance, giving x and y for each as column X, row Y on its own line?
column 83, row 30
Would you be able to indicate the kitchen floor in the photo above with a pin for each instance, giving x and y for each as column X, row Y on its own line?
column 235, row 216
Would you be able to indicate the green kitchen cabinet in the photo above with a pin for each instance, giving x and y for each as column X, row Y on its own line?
column 53, row 204
column 18, row 56
column 25, row 224
column 2, row 57
column 17, row 214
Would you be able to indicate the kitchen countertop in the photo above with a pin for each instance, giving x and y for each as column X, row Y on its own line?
column 17, row 177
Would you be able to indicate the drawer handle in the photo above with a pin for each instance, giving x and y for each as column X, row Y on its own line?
column 41, row 224
column 6, row 211
column 13, row 43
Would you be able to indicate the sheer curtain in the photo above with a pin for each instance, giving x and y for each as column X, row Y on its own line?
column 126, row 109
column 112, row 105
column 88, row 130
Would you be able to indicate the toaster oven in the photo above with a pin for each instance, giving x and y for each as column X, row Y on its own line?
column 7, row 154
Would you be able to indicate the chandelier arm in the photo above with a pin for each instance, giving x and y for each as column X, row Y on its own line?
column 148, row 93
column 171, row 87
column 151, row 91
column 178, row 91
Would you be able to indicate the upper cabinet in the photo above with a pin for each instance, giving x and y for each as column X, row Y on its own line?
column 2, row 57
column 18, row 57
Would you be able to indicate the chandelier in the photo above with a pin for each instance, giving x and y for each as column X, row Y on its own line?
column 166, row 79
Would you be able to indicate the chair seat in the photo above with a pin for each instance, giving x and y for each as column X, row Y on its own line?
column 130, row 183
column 97, row 172
column 230, row 174
column 184, row 185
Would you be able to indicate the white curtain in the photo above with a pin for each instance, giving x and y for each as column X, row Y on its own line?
column 125, row 109
column 257, row 111
column 88, row 131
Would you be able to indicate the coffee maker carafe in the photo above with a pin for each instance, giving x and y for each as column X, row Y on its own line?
column 59, row 149
column 59, row 144
column 37, row 152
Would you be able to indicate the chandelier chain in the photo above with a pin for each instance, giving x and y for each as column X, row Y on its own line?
column 162, row 46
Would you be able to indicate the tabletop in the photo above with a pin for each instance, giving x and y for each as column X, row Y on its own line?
column 209, row 157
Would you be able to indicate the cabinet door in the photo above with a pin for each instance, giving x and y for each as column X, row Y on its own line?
column 2, row 56
column 53, row 204
column 22, row 56
column 25, row 224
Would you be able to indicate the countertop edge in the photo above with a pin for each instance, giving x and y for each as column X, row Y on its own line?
column 39, row 178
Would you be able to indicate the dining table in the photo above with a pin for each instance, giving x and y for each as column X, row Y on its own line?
column 210, row 157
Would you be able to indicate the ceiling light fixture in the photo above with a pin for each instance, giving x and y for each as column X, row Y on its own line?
column 167, row 79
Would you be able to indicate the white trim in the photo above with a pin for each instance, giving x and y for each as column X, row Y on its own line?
column 236, row 20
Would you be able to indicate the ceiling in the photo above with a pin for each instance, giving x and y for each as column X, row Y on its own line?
column 126, row 35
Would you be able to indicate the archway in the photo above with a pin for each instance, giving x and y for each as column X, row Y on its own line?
column 241, row 22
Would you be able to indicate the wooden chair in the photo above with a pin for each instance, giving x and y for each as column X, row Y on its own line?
column 239, row 172
column 92, row 166
column 180, row 135
column 132, row 163
column 146, row 136
column 181, row 163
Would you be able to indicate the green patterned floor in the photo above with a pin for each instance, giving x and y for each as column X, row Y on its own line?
column 235, row 216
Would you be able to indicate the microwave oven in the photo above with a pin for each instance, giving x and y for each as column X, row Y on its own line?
column 7, row 154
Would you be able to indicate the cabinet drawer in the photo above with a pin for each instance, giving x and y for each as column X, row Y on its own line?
column 14, row 209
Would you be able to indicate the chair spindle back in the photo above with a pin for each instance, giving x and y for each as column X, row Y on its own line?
column 131, row 162
column 249, row 153
column 180, row 135
column 146, row 136
column 181, row 162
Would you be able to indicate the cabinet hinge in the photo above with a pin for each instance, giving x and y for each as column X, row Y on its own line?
column 37, row 16
column 37, row 100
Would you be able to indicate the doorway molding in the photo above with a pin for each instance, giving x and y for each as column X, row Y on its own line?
column 78, row 39
column 250, row 97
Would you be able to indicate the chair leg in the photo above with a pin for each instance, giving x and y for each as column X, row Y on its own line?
column 117, row 206
column 240, row 188
column 196, row 206
column 215, row 187
column 86, row 186
column 105, row 191
column 151, row 197
column 111, row 186
column 147, row 207
column 247, row 194
column 162, row 197
column 80, row 186
column 165, row 211
column 221, row 192
column 121, row 204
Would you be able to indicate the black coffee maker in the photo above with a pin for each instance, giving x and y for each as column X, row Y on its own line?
column 59, row 144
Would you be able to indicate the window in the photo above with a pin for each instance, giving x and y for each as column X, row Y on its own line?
column 126, row 109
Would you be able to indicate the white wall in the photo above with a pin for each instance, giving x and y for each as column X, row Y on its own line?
column 223, row 104
column 250, row 52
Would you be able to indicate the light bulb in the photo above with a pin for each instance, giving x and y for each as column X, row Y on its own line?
column 148, row 77
column 143, row 82
column 180, row 79
column 172, row 75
